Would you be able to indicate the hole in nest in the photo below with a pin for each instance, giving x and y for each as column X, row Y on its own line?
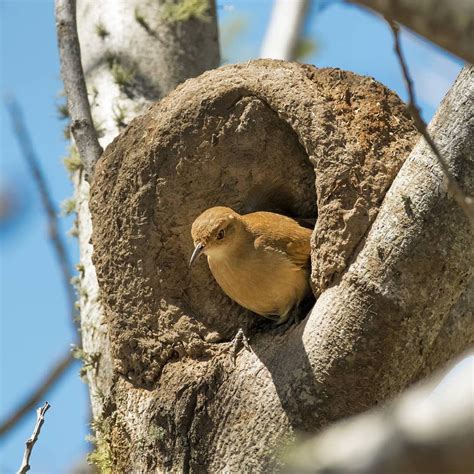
column 256, row 164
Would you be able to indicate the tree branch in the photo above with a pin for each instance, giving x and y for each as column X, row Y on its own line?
column 457, row 332
column 82, row 126
column 421, row 431
column 448, row 23
column 283, row 31
column 24, row 141
column 54, row 375
column 466, row 202
column 30, row 443
column 59, row 369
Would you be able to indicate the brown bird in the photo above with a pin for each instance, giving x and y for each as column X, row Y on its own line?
column 261, row 260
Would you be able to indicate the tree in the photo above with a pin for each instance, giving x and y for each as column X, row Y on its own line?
column 169, row 388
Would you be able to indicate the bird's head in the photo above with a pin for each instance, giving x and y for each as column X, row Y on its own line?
column 214, row 232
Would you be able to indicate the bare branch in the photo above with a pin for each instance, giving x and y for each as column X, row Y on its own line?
column 46, row 384
column 30, row 443
column 448, row 23
column 24, row 141
column 60, row 368
column 466, row 202
column 82, row 126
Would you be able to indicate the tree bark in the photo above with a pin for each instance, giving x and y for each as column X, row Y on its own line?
column 132, row 55
column 82, row 127
column 448, row 23
column 457, row 332
column 181, row 402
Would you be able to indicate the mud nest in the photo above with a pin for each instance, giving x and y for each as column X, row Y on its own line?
column 267, row 135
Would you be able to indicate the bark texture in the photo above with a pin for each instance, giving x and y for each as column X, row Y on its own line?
column 134, row 54
column 179, row 400
column 128, row 65
column 81, row 126
column 448, row 23
column 457, row 332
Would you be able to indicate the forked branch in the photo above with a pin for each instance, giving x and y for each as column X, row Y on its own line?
column 30, row 443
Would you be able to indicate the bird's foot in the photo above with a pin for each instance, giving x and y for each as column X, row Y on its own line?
column 294, row 318
column 298, row 313
column 240, row 340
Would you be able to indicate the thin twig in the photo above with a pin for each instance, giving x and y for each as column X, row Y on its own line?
column 30, row 443
column 24, row 141
column 82, row 126
column 447, row 23
column 38, row 394
column 464, row 201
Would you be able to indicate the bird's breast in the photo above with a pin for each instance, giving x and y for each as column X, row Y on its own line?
column 267, row 283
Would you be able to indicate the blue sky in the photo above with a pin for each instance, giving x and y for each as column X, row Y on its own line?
column 34, row 327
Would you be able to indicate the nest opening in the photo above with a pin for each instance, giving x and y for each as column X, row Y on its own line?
column 251, row 161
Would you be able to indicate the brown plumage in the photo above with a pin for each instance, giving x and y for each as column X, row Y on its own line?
column 261, row 260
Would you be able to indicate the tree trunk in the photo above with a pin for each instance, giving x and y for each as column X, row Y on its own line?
column 133, row 53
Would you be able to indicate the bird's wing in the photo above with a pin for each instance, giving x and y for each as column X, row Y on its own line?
column 277, row 233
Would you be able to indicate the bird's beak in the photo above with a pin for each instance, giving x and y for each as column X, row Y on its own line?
column 197, row 252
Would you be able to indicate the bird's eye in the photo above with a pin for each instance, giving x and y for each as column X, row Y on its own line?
column 220, row 234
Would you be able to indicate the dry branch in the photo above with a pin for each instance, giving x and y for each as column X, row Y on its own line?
column 24, row 141
column 448, row 23
column 30, row 443
column 45, row 385
column 82, row 126
column 466, row 202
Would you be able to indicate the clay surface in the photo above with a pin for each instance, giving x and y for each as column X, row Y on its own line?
column 265, row 135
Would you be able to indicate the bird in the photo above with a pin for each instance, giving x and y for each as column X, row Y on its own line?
column 261, row 260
